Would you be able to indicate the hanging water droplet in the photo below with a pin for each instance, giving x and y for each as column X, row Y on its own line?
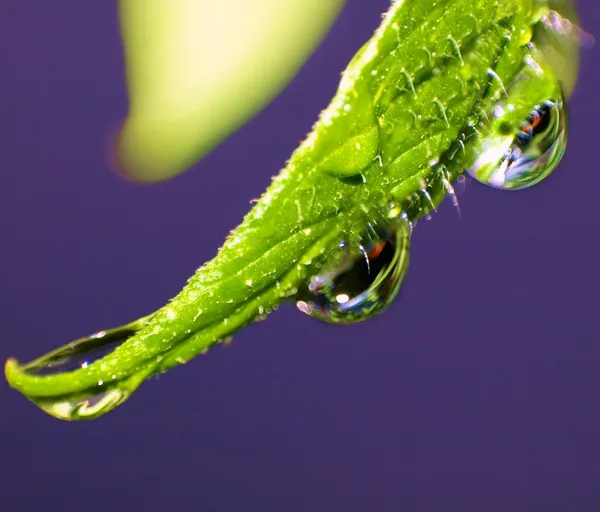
column 80, row 354
column 86, row 408
column 84, row 351
column 363, row 279
column 513, row 161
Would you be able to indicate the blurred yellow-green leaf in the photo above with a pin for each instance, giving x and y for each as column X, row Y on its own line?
column 199, row 69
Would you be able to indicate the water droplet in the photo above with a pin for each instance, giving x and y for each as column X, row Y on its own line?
column 86, row 408
column 364, row 278
column 513, row 161
column 81, row 354
column 84, row 351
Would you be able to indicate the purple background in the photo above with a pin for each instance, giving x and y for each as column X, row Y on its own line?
column 477, row 391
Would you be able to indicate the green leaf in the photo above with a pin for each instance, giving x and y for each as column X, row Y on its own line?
column 415, row 109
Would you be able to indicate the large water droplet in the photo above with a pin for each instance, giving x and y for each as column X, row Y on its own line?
column 363, row 279
column 513, row 161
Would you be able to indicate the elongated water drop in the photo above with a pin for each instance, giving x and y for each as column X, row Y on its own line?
column 514, row 161
column 84, row 351
column 80, row 354
column 86, row 408
column 363, row 280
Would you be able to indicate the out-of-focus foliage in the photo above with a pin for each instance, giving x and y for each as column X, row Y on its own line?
column 199, row 69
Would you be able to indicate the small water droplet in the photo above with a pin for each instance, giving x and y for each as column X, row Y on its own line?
column 460, row 185
column 394, row 211
column 364, row 278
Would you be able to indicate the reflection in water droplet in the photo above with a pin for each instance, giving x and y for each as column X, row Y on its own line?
column 80, row 354
column 84, row 408
column 519, row 160
column 364, row 278
column 84, row 351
